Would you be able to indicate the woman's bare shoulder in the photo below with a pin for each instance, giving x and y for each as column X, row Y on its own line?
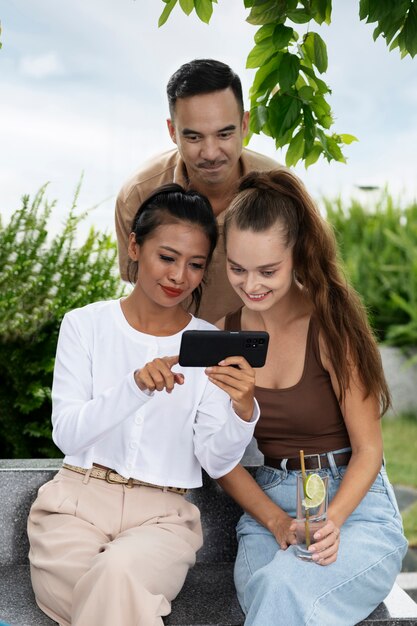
column 220, row 323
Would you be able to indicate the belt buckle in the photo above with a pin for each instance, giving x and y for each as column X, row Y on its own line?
column 308, row 456
column 109, row 480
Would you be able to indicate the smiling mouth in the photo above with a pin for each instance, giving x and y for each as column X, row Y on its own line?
column 172, row 293
column 211, row 166
column 257, row 297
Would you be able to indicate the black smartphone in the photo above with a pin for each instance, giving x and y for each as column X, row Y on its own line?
column 202, row 348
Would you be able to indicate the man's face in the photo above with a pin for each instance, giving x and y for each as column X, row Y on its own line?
column 208, row 130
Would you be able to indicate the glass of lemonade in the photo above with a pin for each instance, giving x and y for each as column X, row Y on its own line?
column 312, row 500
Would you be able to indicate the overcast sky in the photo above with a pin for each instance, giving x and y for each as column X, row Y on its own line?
column 83, row 90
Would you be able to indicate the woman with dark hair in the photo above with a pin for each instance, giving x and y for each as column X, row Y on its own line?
column 112, row 536
column 322, row 390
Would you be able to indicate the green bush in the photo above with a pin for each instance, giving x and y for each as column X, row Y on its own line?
column 379, row 251
column 41, row 278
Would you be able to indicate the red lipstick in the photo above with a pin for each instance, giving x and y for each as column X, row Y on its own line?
column 171, row 291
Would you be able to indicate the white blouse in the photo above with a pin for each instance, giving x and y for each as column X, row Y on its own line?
column 100, row 415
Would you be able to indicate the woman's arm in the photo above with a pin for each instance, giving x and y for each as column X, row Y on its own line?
column 220, row 434
column 240, row 485
column 78, row 419
column 362, row 419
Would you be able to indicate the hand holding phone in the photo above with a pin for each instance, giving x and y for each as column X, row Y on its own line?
column 202, row 348
column 229, row 358
column 237, row 378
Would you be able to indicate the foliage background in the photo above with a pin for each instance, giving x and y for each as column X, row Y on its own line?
column 401, row 462
column 379, row 249
column 40, row 279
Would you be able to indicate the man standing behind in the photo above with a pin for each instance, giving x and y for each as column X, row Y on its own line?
column 208, row 124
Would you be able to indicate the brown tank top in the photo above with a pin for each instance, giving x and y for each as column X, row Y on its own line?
column 306, row 416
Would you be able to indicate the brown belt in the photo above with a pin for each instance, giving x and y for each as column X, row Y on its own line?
column 312, row 461
column 113, row 477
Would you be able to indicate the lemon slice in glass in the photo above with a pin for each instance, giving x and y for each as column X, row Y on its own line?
column 315, row 491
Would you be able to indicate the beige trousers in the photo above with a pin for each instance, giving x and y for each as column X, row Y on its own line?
column 103, row 554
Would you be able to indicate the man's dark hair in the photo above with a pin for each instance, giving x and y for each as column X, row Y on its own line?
column 202, row 76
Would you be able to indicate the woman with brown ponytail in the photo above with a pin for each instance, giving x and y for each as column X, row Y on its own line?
column 322, row 390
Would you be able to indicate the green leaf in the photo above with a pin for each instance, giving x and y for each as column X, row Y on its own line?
column 299, row 16
column 347, row 139
column 334, row 150
column 264, row 32
column 295, row 149
column 389, row 27
column 282, row 35
column 395, row 43
column 322, row 10
column 390, row 17
column 316, row 82
column 284, row 111
column 316, row 51
column 288, row 70
column 260, row 54
column 258, row 118
column 266, row 77
column 166, row 12
column 322, row 111
column 312, row 156
column 306, row 93
column 267, row 12
column 363, row 9
column 187, row 6
column 204, row 9
column 301, row 82
column 285, row 139
column 410, row 31
column 323, row 140
column 376, row 9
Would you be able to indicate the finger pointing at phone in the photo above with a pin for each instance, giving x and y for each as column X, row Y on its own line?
column 157, row 375
column 237, row 378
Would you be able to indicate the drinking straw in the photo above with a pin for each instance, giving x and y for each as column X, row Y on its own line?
column 307, row 512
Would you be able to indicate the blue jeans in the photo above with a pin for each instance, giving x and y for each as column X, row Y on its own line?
column 275, row 588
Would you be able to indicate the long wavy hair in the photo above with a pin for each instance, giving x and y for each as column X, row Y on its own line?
column 265, row 198
column 170, row 204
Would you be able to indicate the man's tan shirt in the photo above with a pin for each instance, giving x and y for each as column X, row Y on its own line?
column 218, row 296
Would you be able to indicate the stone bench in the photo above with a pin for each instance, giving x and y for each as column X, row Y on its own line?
column 208, row 597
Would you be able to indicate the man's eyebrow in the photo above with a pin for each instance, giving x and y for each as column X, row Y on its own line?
column 226, row 128
column 190, row 131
